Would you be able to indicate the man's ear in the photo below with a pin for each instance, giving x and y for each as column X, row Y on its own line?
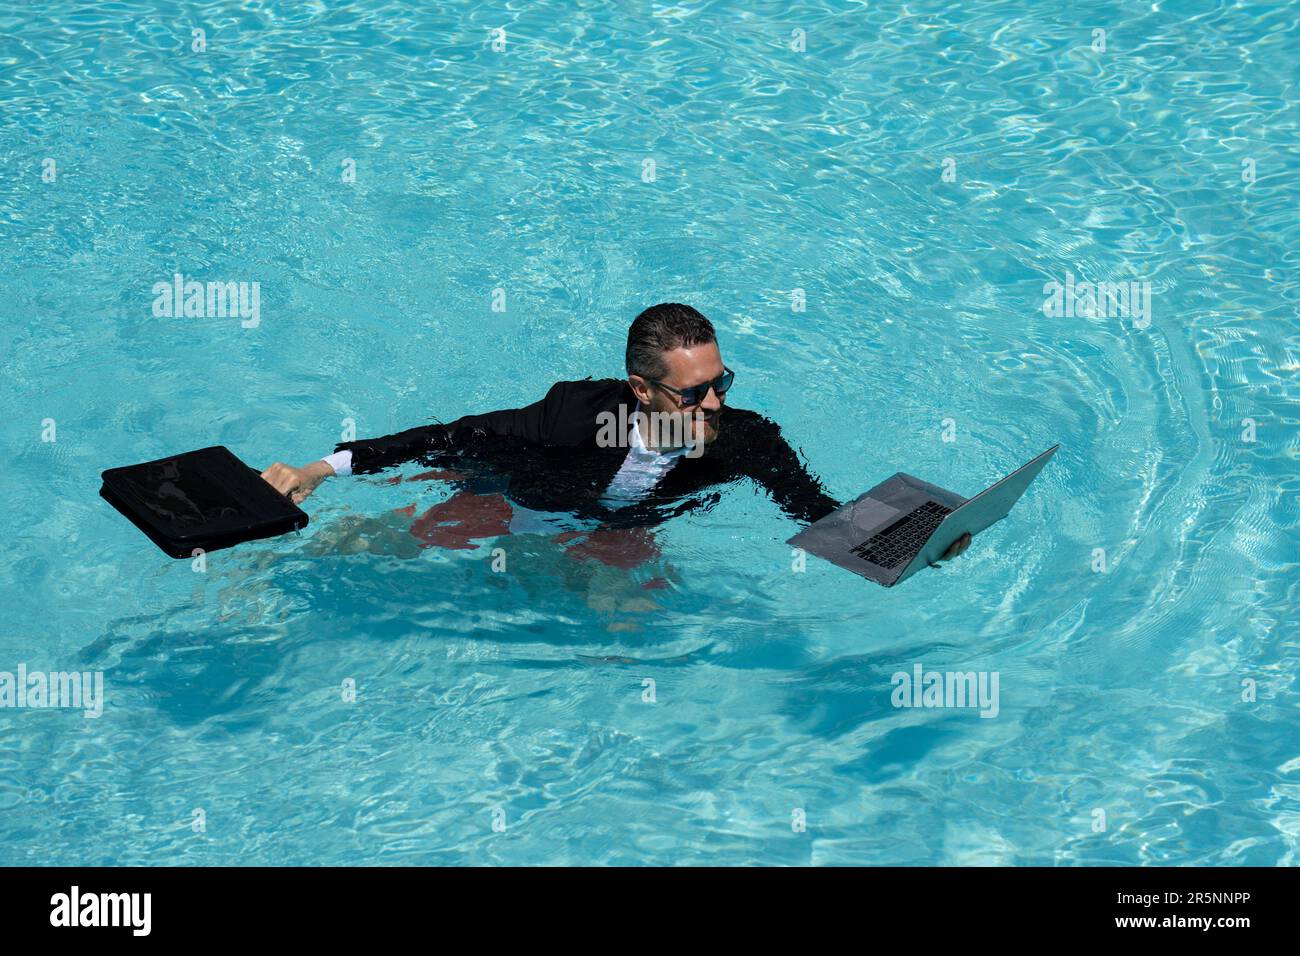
column 640, row 388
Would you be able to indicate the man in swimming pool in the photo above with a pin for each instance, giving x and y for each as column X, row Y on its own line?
column 613, row 453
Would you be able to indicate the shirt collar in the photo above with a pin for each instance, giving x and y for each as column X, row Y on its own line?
column 639, row 446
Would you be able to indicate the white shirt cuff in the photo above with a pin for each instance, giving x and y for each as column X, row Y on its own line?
column 341, row 462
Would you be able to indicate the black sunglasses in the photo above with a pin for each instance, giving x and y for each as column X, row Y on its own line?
column 686, row 397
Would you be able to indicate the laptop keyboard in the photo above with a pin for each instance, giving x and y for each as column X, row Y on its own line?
column 901, row 540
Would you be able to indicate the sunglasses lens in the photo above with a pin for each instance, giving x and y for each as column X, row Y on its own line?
column 693, row 396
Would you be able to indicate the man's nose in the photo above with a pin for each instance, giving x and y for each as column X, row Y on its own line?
column 711, row 402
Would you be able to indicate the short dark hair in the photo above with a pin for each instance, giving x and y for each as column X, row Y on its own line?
column 662, row 328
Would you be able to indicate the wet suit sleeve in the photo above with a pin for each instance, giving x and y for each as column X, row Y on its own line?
column 772, row 463
column 535, row 424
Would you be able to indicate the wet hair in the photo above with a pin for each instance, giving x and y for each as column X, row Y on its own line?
column 662, row 328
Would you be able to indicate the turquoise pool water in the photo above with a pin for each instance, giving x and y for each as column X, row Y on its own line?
column 919, row 171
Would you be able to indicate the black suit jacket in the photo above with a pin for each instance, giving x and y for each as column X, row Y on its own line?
column 546, row 456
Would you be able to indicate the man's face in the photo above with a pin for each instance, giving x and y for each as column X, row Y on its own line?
column 687, row 367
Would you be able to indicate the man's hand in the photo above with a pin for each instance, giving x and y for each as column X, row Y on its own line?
column 956, row 548
column 296, row 483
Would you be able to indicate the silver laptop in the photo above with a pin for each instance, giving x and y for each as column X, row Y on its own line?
column 905, row 524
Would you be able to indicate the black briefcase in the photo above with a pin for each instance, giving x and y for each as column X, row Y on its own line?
column 206, row 499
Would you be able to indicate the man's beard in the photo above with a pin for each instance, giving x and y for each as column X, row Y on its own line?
column 708, row 422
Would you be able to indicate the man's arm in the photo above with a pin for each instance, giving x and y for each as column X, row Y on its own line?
column 771, row 462
column 533, row 423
